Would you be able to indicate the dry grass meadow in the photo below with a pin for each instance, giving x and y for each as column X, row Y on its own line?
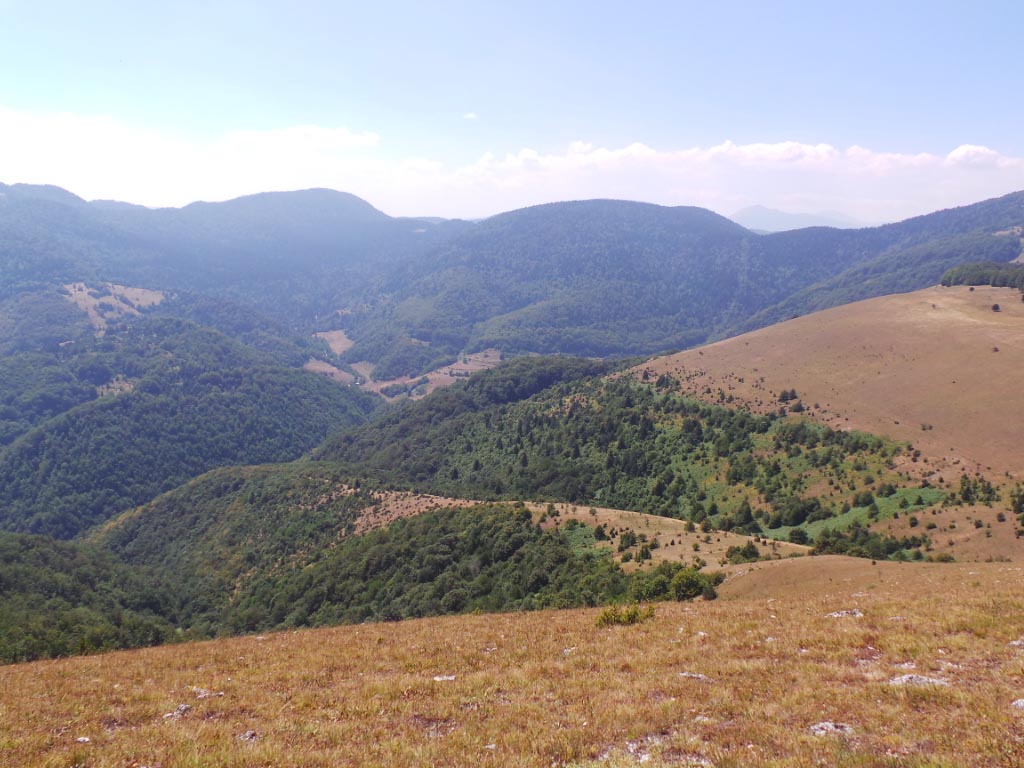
column 110, row 302
column 676, row 543
column 741, row 681
column 937, row 368
column 441, row 377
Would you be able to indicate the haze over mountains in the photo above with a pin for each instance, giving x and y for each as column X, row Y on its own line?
column 150, row 358
column 758, row 218
column 594, row 277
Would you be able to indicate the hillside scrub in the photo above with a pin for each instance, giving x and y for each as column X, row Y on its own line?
column 627, row 444
column 246, row 550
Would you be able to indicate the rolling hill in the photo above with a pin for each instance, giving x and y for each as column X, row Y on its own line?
column 597, row 277
column 292, row 255
column 606, row 277
column 121, row 394
column 936, row 368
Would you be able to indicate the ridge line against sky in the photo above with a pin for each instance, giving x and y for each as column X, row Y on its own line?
column 104, row 158
column 877, row 110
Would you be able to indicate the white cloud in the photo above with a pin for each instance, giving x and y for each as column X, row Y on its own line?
column 103, row 157
column 471, row 116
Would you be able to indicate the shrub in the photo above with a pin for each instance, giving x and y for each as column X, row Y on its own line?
column 744, row 554
column 615, row 615
column 690, row 584
column 798, row 536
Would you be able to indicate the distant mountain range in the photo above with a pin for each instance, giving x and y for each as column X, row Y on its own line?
column 598, row 278
column 758, row 218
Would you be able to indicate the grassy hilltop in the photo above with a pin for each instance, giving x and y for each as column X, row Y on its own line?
column 747, row 680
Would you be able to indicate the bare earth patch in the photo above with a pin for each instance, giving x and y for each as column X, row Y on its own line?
column 441, row 377
column 336, row 340
column 326, row 369
column 395, row 505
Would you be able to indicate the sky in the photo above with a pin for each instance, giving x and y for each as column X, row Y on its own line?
column 876, row 110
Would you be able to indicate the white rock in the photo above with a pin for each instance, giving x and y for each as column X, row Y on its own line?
column 443, row 678
column 917, row 680
column 828, row 727
column 854, row 612
column 696, row 676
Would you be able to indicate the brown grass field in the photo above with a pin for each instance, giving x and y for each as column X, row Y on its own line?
column 338, row 341
column 441, row 377
column 676, row 544
column 937, row 368
column 115, row 302
column 326, row 369
column 739, row 681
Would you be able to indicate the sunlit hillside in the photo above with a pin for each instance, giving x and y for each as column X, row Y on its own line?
column 813, row 661
column 938, row 368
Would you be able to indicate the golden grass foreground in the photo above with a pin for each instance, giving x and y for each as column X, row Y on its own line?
column 741, row 681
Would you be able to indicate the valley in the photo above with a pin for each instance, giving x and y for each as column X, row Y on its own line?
column 717, row 493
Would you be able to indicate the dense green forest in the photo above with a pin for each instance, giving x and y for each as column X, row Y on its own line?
column 188, row 399
column 294, row 255
column 605, row 277
column 248, row 550
column 599, row 277
column 62, row 598
column 986, row 273
column 590, row 278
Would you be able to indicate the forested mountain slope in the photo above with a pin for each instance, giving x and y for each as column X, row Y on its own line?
column 597, row 277
column 293, row 254
column 62, row 598
column 257, row 548
column 615, row 441
column 605, row 277
column 141, row 411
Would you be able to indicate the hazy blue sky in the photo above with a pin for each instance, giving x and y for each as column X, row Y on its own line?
column 879, row 110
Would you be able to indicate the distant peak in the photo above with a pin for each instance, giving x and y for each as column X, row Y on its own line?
column 48, row 192
column 762, row 218
column 317, row 201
